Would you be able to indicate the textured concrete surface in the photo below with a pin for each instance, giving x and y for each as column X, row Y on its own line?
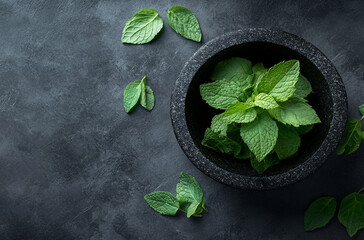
column 73, row 165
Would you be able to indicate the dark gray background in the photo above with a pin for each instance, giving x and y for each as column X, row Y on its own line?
column 74, row 165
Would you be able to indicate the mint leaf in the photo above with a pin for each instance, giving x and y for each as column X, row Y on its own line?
column 288, row 142
column 351, row 139
column 233, row 69
column 260, row 135
column 233, row 133
column 262, row 166
column 295, row 113
column 163, row 202
column 142, row 27
column 265, row 101
column 220, row 143
column 280, row 80
column 319, row 213
column 259, row 68
column 303, row 87
column 147, row 96
column 361, row 109
column 184, row 23
column 131, row 95
column 138, row 92
column 237, row 112
column 351, row 213
column 222, row 93
column 189, row 193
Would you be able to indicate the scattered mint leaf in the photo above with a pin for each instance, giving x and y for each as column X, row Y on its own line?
column 351, row 213
column 319, row 213
column 222, row 93
column 189, row 198
column 265, row 101
column 184, row 22
column 260, row 135
column 295, row 113
column 361, row 109
column 220, row 143
column 189, row 194
column 280, row 80
column 131, row 95
column 288, row 141
column 138, row 92
column 147, row 96
column 351, row 139
column 233, row 69
column 303, row 87
column 142, row 27
column 237, row 112
column 262, row 166
column 163, row 202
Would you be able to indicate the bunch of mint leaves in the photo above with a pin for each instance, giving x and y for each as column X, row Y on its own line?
column 189, row 200
column 265, row 110
column 146, row 23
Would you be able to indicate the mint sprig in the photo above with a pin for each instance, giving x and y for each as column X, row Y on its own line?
column 138, row 92
column 353, row 135
column 267, row 105
column 189, row 200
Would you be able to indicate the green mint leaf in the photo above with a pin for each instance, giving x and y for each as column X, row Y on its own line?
column 361, row 109
column 142, row 27
column 267, row 162
column 223, row 93
column 259, row 68
column 233, row 69
column 189, row 193
column 351, row 213
column 295, row 113
column 288, row 141
column 237, row 112
column 303, row 87
column 260, row 135
column 319, row 213
column 146, row 96
column 302, row 130
column 131, row 95
column 280, row 80
column 163, row 202
column 184, row 22
column 351, row 139
column 233, row 133
column 265, row 101
column 220, row 143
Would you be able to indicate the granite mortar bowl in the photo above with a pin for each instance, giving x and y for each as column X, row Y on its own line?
column 191, row 115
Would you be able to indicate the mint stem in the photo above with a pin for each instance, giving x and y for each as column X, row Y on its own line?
column 362, row 189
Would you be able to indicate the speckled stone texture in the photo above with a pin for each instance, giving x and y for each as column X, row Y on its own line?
column 74, row 165
column 191, row 116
